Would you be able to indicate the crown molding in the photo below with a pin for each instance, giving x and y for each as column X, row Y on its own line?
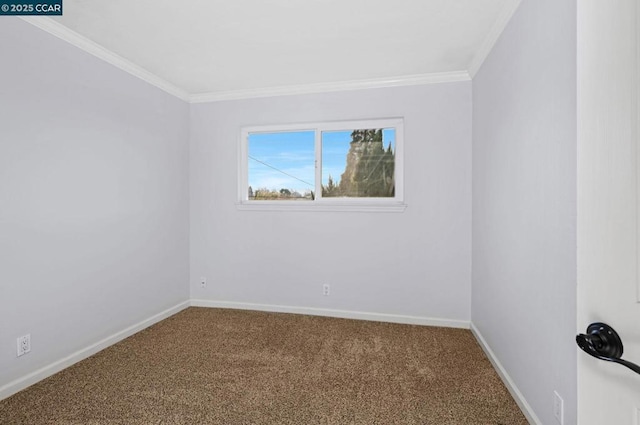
column 406, row 80
column 55, row 28
column 490, row 40
column 91, row 47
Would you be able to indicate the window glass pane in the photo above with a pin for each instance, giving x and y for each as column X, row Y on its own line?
column 359, row 163
column 281, row 166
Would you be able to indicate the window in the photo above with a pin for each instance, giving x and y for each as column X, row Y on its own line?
column 350, row 165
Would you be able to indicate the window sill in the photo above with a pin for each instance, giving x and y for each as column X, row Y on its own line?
column 315, row 206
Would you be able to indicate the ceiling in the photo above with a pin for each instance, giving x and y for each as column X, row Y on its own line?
column 209, row 47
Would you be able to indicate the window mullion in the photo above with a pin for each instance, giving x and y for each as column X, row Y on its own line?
column 318, row 164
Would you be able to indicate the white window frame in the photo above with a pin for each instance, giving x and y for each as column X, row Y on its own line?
column 395, row 204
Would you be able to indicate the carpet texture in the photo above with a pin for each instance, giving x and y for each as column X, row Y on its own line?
column 228, row 367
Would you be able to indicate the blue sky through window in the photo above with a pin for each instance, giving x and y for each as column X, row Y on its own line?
column 287, row 159
column 282, row 160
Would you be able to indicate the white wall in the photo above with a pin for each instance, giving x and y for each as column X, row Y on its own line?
column 415, row 263
column 93, row 199
column 524, row 203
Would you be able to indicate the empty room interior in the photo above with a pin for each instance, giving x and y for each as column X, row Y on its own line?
column 319, row 212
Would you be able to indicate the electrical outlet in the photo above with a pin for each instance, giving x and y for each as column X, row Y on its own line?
column 24, row 344
column 203, row 282
column 558, row 408
column 326, row 289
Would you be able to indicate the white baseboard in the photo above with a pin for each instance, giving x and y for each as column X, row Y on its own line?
column 342, row 314
column 508, row 382
column 55, row 367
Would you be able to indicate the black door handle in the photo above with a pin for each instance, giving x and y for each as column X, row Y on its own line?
column 602, row 342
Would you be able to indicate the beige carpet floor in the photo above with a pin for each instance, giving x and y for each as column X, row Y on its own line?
column 228, row 367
